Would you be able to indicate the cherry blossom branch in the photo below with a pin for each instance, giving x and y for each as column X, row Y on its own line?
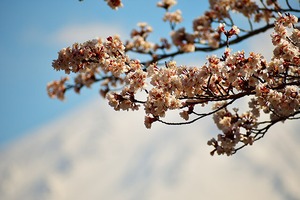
column 274, row 86
column 202, row 115
column 260, row 133
column 210, row 49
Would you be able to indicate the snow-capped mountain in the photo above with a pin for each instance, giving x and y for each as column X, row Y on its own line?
column 97, row 153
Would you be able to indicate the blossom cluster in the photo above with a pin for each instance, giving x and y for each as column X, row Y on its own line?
column 109, row 55
column 139, row 41
column 273, row 85
column 114, row 4
column 232, row 126
column 88, row 59
column 174, row 17
column 57, row 88
column 166, row 4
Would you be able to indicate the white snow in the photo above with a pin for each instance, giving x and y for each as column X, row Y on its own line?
column 97, row 153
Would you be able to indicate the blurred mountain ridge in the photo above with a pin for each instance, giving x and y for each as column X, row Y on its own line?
column 96, row 153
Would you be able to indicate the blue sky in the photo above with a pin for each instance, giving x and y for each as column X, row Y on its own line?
column 32, row 32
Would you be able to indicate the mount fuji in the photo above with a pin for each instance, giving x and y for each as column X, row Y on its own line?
column 96, row 153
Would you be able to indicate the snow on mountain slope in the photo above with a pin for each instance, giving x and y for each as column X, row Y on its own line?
column 97, row 153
